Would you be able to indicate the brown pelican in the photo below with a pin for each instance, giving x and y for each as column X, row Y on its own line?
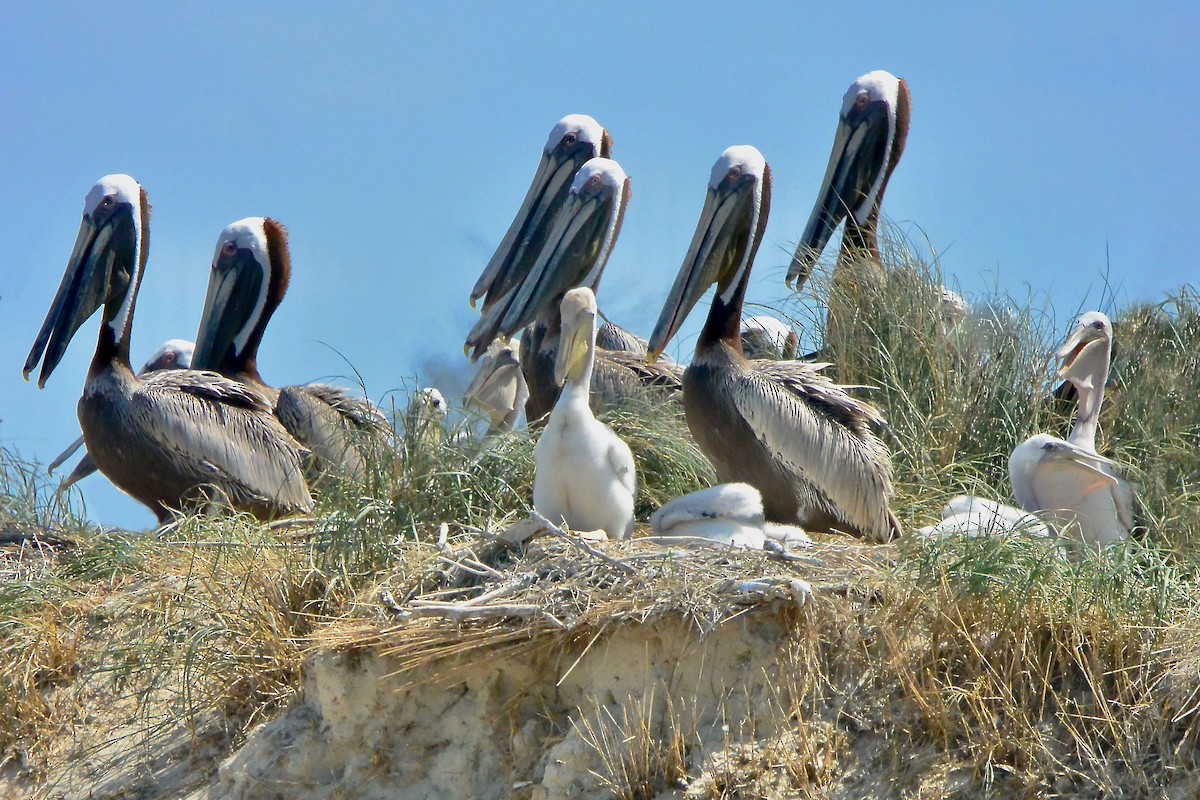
column 168, row 438
column 574, row 254
column 780, row 426
column 174, row 354
column 764, row 336
column 584, row 473
column 1076, row 488
column 729, row 513
column 498, row 388
column 872, row 129
column 250, row 273
column 574, row 140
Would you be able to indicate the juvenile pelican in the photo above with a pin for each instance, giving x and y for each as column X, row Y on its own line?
column 1077, row 488
column 780, row 426
column 251, row 269
column 173, row 354
column 764, row 336
column 498, row 388
column 168, row 438
column 871, row 132
column 584, row 473
column 977, row 516
column 729, row 513
column 574, row 254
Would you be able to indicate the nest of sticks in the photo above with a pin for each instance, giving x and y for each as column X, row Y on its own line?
column 534, row 581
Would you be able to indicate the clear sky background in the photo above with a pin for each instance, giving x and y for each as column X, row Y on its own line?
column 1048, row 143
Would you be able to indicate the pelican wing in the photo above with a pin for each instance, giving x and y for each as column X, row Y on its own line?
column 620, row 459
column 223, row 433
column 823, row 435
column 359, row 410
column 614, row 337
column 661, row 374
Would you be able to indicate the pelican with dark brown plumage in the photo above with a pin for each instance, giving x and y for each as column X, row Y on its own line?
column 251, row 270
column 780, row 426
column 176, row 437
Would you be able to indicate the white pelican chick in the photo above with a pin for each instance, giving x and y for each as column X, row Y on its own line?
column 977, row 516
column 728, row 513
column 584, row 473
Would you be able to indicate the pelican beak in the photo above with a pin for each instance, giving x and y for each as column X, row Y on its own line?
column 857, row 165
column 573, row 254
column 721, row 237
column 234, row 300
column 526, row 235
column 98, row 273
column 574, row 346
column 1080, row 339
column 493, row 387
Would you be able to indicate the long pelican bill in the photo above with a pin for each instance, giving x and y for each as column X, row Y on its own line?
column 573, row 141
column 97, row 271
column 858, row 166
column 237, row 289
column 573, row 254
column 574, row 346
column 1091, row 328
column 720, row 248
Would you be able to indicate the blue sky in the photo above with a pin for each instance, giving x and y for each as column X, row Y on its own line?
column 396, row 141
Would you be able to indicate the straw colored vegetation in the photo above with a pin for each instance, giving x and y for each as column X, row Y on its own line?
column 396, row 644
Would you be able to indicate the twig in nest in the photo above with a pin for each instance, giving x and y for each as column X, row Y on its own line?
column 554, row 530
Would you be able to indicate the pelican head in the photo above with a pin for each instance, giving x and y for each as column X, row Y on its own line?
column 727, row 236
column 573, row 254
column 250, row 272
column 578, row 338
column 573, row 141
column 1083, row 358
column 871, row 132
column 174, row 354
column 105, row 268
column 496, row 387
column 431, row 404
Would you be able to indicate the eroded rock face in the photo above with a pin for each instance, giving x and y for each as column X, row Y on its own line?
column 547, row 720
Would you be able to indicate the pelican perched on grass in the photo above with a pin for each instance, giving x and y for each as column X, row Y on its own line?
column 573, row 254
column 177, row 436
column 585, row 474
column 780, row 426
column 173, row 354
column 871, row 132
column 729, row 513
column 498, row 388
column 250, row 273
column 1073, row 486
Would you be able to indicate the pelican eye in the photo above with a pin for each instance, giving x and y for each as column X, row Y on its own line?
column 569, row 139
column 229, row 248
column 862, row 100
column 1098, row 325
column 1049, row 446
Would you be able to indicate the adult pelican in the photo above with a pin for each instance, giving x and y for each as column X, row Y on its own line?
column 574, row 140
column 574, row 254
column 584, row 473
column 251, row 269
column 780, row 426
column 1077, row 489
column 173, row 354
column 871, row 132
column 169, row 438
